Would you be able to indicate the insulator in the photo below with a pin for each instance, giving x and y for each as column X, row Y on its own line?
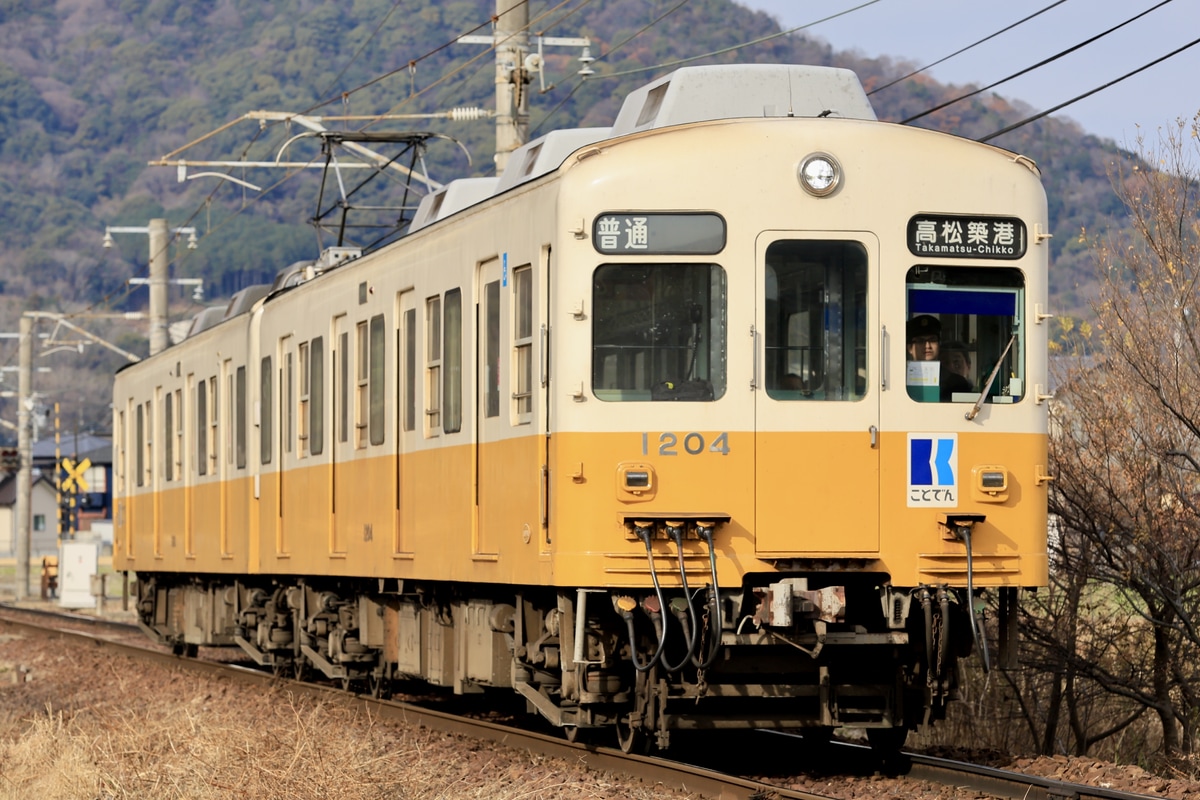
column 467, row 114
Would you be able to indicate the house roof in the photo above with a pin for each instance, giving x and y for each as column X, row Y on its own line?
column 8, row 488
column 85, row 445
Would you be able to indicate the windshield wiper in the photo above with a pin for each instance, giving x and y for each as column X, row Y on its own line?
column 987, row 387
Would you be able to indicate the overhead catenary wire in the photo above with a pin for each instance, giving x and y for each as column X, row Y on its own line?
column 962, row 50
column 1038, row 65
column 664, row 65
column 1088, row 93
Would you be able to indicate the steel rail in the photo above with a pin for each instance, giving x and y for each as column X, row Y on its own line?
column 651, row 770
column 993, row 781
column 1001, row 783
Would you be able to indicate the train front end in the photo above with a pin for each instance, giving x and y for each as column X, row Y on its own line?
column 801, row 358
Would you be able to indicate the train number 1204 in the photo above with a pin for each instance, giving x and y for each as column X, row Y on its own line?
column 692, row 443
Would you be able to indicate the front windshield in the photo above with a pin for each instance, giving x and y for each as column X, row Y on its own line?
column 658, row 332
column 965, row 335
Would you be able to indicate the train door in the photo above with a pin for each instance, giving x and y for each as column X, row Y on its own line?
column 407, row 430
column 342, row 449
column 492, row 412
column 286, row 431
column 817, row 398
column 224, row 467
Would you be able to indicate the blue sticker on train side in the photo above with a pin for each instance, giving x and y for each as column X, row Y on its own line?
column 933, row 470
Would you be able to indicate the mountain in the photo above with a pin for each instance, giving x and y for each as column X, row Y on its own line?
column 91, row 90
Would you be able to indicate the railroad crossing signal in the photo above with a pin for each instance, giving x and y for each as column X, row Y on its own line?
column 75, row 480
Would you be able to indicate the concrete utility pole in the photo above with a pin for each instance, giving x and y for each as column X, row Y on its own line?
column 24, row 500
column 160, row 260
column 512, row 79
column 23, row 507
column 515, row 68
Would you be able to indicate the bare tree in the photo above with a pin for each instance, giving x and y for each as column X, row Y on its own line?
column 1126, row 452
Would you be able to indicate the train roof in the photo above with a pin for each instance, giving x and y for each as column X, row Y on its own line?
column 698, row 94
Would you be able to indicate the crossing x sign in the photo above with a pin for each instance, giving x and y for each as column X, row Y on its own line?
column 74, row 474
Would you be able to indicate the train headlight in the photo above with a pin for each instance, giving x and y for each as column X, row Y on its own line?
column 990, row 483
column 636, row 482
column 820, row 174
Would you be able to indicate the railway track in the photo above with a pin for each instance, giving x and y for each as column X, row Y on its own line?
column 712, row 772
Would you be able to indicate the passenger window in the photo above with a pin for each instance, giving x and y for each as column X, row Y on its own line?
column 452, row 360
column 964, row 335
column 316, row 397
column 378, row 337
column 433, row 366
column 169, row 437
column 264, row 434
column 240, row 414
column 491, row 315
column 410, row 369
column 202, row 427
column 523, row 344
column 658, row 332
column 816, row 320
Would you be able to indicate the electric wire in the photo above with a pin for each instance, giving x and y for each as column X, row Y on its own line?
column 665, row 65
column 962, row 50
column 362, row 48
column 1038, row 65
column 1087, row 94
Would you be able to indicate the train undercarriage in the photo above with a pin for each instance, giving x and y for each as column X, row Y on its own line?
column 782, row 651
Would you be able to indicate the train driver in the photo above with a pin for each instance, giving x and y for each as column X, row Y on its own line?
column 924, row 338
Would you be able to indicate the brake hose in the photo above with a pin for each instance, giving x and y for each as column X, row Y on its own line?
column 644, row 533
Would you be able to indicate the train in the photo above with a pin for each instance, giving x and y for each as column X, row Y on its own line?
column 730, row 415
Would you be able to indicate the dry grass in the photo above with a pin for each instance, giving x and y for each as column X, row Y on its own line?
column 95, row 726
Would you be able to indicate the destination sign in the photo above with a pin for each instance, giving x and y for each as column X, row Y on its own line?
column 639, row 232
column 966, row 236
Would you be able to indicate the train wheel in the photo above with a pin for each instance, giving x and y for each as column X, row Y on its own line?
column 380, row 686
column 630, row 738
column 886, row 744
column 185, row 650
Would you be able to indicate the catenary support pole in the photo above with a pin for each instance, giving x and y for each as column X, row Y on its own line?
column 24, row 455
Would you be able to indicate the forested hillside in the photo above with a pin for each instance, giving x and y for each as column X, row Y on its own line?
column 91, row 90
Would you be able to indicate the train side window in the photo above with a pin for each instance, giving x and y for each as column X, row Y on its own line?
column 265, row 384
column 815, row 330
column 523, row 345
column 410, row 369
column 169, row 437
column 229, row 410
column 343, row 399
column 433, row 366
column 214, row 408
column 287, row 423
column 491, row 315
column 202, row 427
column 316, row 397
column 240, row 415
column 362, row 371
column 452, row 360
column 302, row 413
column 140, row 428
column 149, row 443
column 377, row 388
column 177, row 434
column 120, row 467
column 965, row 335
column 658, row 332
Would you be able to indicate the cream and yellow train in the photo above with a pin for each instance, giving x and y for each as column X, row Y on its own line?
column 718, row 418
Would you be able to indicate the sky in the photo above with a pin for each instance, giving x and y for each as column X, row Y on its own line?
column 924, row 31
